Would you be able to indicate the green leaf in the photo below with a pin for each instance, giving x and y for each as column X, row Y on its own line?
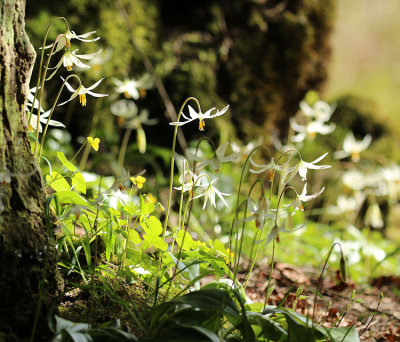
column 58, row 182
column 65, row 162
column 345, row 334
column 210, row 335
column 78, row 182
column 211, row 299
column 70, row 197
column 298, row 332
column 146, row 208
column 133, row 236
column 156, row 241
column 152, row 226
column 270, row 329
column 188, row 243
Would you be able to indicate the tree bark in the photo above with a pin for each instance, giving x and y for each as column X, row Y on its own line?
column 27, row 260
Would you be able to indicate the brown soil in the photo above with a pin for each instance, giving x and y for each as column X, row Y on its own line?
column 382, row 324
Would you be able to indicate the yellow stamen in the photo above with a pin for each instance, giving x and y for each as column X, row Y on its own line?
column 120, row 121
column 312, row 135
column 302, row 208
column 355, row 157
column 201, row 124
column 270, row 175
column 69, row 67
column 142, row 92
column 126, row 94
column 68, row 43
column 30, row 128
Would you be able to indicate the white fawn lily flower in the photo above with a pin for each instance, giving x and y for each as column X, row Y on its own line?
column 70, row 58
column 210, row 193
column 82, row 91
column 373, row 217
column 131, row 87
column 353, row 147
column 388, row 181
column 215, row 161
column 32, row 126
column 193, row 115
column 346, row 205
column 320, row 111
column 310, row 129
column 64, row 40
column 303, row 197
column 192, row 182
column 355, row 180
column 302, row 168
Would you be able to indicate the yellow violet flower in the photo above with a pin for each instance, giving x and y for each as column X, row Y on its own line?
column 94, row 142
column 138, row 181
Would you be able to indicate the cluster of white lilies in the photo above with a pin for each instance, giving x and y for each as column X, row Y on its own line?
column 69, row 60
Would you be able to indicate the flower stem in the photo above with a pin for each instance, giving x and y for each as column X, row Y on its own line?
column 171, row 177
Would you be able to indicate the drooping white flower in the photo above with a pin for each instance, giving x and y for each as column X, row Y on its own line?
column 355, row 180
column 302, row 167
column 193, row 115
column 310, row 129
column 192, row 180
column 353, row 147
column 131, row 87
column 373, row 217
column 64, row 40
column 215, row 161
column 346, row 205
column 247, row 149
column 32, row 126
column 82, row 91
column 70, row 58
column 210, row 193
column 303, row 197
column 319, row 111
column 388, row 181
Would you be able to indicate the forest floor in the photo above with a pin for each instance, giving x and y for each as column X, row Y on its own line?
column 382, row 324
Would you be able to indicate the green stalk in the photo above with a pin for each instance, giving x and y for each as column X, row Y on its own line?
column 41, row 62
column 171, row 177
column 51, row 112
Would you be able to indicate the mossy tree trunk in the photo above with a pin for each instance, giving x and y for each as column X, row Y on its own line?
column 26, row 256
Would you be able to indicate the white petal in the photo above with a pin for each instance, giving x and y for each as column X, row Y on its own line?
column 69, row 87
column 320, row 158
column 70, row 99
column 365, row 142
column 296, row 126
column 193, row 114
column 88, row 55
column 96, row 84
column 95, row 94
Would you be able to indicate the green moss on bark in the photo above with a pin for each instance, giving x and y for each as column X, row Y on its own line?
column 27, row 258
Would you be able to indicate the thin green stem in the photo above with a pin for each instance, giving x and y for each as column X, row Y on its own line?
column 319, row 284
column 270, row 271
column 124, row 145
column 51, row 112
column 41, row 62
column 171, row 177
